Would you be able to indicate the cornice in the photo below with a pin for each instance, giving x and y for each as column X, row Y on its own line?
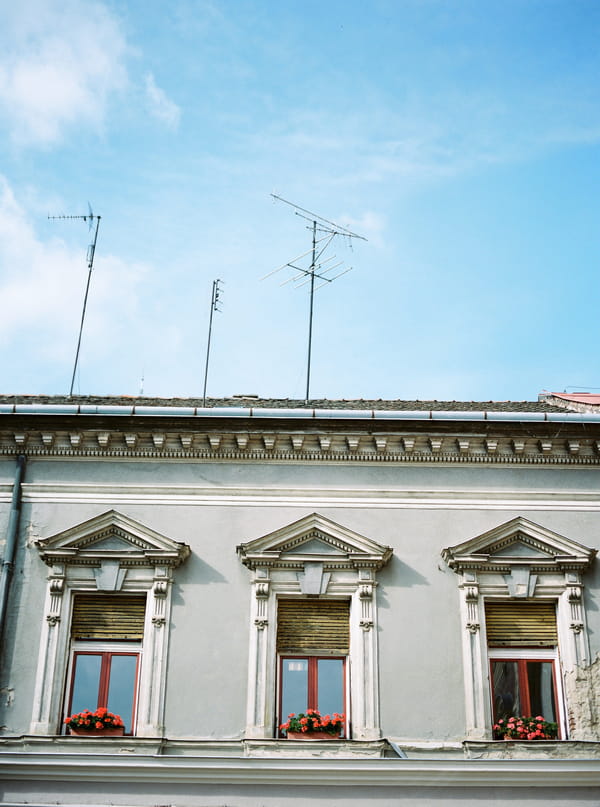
column 146, row 771
column 302, row 446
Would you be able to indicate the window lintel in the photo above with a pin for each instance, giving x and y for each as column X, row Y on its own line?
column 519, row 543
column 314, row 539
column 112, row 536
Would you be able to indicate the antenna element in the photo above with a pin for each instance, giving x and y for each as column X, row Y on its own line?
column 328, row 230
column 90, row 262
column 214, row 302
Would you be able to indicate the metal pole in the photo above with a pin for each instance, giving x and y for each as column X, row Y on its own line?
column 213, row 303
column 91, row 253
column 310, row 319
column 8, row 561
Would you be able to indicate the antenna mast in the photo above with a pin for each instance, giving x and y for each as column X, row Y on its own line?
column 215, row 299
column 90, row 262
column 318, row 268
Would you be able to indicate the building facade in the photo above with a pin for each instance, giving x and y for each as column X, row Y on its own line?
column 425, row 569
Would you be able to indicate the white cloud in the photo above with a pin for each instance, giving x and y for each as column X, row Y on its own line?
column 60, row 62
column 42, row 286
column 160, row 105
column 429, row 137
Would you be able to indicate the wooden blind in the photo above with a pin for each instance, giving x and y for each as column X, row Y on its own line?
column 106, row 616
column 313, row 626
column 512, row 624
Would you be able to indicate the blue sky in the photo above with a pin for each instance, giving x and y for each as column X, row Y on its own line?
column 462, row 139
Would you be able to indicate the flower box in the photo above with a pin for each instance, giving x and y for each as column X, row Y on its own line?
column 311, row 726
column 100, row 723
column 115, row 731
column 525, row 729
column 311, row 735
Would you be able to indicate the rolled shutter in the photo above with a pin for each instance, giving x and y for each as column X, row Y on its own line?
column 105, row 616
column 513, row 624
column 313, row 626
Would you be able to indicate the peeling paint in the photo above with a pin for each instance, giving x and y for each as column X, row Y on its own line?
column 583, row 698
column 8, row 694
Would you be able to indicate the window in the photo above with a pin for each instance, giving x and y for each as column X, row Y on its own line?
column 105, row 632
column 523, row 687
column 106, row 643
column 313, row 587
column 523, row 622
column 106, row 679
column 312, row 683
column 522, row 643
column 319, row 630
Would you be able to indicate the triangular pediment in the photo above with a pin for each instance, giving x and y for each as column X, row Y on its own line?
column 317, row 545
column 315, row 538
column 519, row 542
column 521, row 549
column 113, row 544
column 112, row 535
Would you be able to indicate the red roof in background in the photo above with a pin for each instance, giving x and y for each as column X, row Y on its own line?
column 590, row 398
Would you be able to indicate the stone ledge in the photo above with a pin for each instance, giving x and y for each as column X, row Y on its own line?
column 469, row 750
column 62, row 744
column 532, row 749
column 330, row 749
column 155, row 746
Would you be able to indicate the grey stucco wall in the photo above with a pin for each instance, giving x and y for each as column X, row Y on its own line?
column 421, row 674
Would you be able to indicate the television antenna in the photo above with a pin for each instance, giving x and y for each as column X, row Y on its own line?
column 324, row 232
column 90, row 217
column 214, row 306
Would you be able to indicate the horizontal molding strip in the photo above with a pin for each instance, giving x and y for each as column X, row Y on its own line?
column 429, row 447
column 306, row 497
column 554, row 458
column 115, row 769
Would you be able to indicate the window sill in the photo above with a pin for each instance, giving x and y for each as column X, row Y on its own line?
column 531, row 749
column 72, row 744
column 285, row 749
column 163, row 747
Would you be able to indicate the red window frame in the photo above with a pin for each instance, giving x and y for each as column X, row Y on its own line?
column 523, row 680
column 104, row 682
column 313, row 683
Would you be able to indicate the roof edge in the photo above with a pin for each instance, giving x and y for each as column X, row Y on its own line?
column 282, row 413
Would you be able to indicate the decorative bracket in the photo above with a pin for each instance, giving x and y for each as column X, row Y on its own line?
column 471, row 593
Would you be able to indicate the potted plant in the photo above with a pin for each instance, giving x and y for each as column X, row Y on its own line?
column 100, row 723
column 525, row 728
column 312, row 726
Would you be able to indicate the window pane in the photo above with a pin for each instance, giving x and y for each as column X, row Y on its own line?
column 294, row 686
column 121, row 688
column 86, row 682
column 331, row 685
column 541, row 689
column 505, row 688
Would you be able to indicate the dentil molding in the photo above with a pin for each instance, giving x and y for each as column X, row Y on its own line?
column 291, row 446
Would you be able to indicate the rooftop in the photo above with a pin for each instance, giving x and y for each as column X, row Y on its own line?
column 255, row 402
column 588, row 398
